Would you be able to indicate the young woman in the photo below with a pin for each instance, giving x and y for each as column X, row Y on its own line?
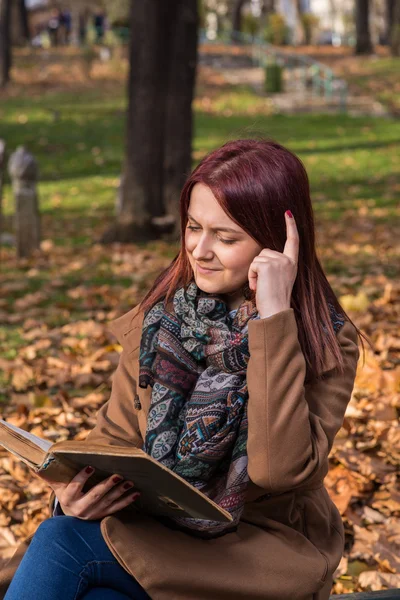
column 235, row 373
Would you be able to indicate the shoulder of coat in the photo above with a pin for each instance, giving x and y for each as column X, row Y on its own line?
column 126, row 327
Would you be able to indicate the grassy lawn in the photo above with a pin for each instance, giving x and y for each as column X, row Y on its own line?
column 80, row 149
column 380, row 78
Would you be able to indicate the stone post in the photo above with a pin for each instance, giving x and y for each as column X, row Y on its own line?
column 23, row 170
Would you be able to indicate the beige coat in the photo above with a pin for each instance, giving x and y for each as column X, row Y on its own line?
column 291, row 537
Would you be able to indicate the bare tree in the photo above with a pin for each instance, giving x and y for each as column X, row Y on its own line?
column 23, row 20
column 163, row 49
column 393, row 26
column 298, row 30
column 237, row 13
column 267, row 8
column 179, row 117
column 5, row 42
column 363, row 43
column 389, row 12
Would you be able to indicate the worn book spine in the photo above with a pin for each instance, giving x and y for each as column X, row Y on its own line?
column 54, row 469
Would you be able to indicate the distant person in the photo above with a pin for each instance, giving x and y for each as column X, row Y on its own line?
column 65, row 26
column 83, row 19
column 53, row 26
column 99, row 25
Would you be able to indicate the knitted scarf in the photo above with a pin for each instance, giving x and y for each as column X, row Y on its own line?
column 195, row 358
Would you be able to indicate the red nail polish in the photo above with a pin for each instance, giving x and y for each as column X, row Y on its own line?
column 89, row 469
column 289, row 214
column 117, row 479
column 127, row 485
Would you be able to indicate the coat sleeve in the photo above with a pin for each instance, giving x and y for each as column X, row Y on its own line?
column 292, row 425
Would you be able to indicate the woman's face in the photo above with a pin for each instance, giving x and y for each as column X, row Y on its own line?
column 217, row 243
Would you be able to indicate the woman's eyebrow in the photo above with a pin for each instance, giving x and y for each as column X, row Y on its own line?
column 229, row 229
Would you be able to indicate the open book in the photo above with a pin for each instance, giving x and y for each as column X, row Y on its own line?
column 162, row 491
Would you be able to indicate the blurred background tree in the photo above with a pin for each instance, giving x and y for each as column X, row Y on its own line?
column 22, row 18
column 277, row 30
column 393, row 26
column 118, row 13
column 163, row 57
column 363, row 44
column 309, row 23
column 5, row 42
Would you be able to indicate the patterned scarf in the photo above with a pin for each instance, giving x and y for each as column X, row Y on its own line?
column 195, row 358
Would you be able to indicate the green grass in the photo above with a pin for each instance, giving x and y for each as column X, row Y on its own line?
column 381, row 79
column 80, row 155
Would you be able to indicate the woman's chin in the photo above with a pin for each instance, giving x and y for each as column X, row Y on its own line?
column 207, row 286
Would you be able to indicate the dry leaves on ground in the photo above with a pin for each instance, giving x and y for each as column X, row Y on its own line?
column 60, row 372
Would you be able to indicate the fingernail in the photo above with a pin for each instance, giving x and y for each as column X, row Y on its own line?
column 89, row 469
column 117, row 479
column 135, row 496
column 127, row 485
column 289, row 214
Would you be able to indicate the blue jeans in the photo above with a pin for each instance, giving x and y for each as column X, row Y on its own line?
column 68, row 558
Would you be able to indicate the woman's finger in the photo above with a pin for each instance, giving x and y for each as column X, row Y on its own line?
column 74, row 488
column 116, row 492
column 292, row 244
column 120, row 504
column 97, row 495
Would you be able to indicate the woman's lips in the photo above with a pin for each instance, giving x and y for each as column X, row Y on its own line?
column 205, row 271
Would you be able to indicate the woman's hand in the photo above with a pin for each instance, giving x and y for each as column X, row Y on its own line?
column 272, row 274
column 101, row 500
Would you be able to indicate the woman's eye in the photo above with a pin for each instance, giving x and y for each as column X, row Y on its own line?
column 221, row 240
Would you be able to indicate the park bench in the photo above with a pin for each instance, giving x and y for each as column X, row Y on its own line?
column 381, row 595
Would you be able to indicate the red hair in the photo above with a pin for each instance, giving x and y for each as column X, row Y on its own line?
column 255, row 181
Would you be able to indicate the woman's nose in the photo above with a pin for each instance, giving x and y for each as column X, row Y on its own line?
column 202, row 249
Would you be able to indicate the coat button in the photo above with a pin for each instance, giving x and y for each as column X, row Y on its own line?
column 136, row 402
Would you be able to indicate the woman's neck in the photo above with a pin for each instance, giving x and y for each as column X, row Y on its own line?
column 233, row 300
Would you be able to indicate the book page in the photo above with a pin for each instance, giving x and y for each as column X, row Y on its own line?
column 43, row 444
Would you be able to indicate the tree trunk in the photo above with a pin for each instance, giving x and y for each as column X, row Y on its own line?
column 23, row 21
column 267, row 8
column 389, row 12
column 363, row 43
column 178, row 131
column 152, row 92
column 237, row 19
column 141, row 190
column 300, row 35
column 395, row 30
column 5, row 42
